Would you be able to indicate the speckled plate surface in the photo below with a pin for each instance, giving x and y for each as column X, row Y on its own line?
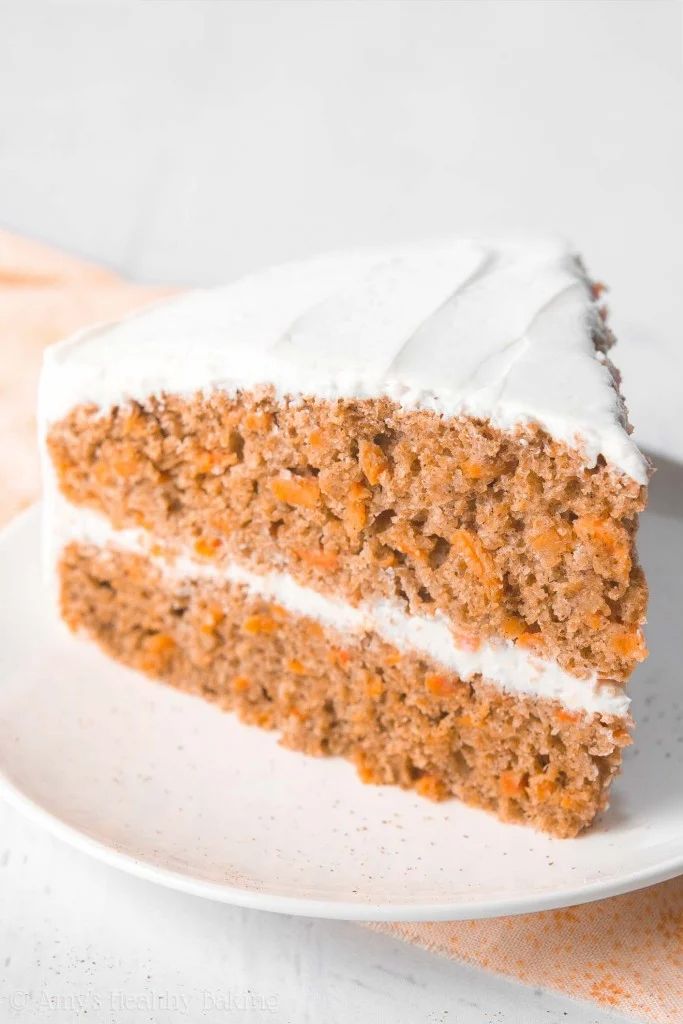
column 171, row 789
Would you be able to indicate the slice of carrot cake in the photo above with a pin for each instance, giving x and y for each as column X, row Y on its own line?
column 384, row 502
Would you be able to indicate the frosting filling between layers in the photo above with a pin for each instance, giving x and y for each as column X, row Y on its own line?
column 501, row 663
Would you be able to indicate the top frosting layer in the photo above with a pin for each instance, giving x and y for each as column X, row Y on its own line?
column 502, row 330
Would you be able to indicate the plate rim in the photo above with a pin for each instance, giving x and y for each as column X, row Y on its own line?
column 329, row 909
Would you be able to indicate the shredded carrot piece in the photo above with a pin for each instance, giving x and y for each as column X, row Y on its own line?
column 258, row 421
column 366, row 771
column 207, row 547
column 356, row 515
column 477, row 559
column 432, row 787
column 259, row 624
column 630, row 645
column 552, row 543
column 607, row 535
column 374, row 687
column 373, row 461
column 480, row 470
column 563, row 715
column 338, row 656
column 440, row 686
column 513, row 627
column 302, row 491
column 530, row 641
column 511, row 784
column 318, row 558
column 160, row 642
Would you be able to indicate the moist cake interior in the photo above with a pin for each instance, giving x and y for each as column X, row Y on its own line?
column 505, row 534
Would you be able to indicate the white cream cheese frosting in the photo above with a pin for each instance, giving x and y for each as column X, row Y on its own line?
column 501, row 663
column 498, row 330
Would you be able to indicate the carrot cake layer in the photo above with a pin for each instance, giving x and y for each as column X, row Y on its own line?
column 503, row 533
column 397, row 712
column 422, row 451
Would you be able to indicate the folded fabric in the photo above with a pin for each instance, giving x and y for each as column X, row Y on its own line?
column 44, row 295
column 625, row 953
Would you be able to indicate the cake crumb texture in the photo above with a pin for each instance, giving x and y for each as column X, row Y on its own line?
column 505, row 533
column 399, row 717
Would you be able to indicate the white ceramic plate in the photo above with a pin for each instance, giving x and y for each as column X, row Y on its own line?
column 171, row 789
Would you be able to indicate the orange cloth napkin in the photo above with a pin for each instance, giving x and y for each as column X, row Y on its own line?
column 44, row 295
column 625, row 953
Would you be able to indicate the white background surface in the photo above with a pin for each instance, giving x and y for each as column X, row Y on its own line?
column 189, row 141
